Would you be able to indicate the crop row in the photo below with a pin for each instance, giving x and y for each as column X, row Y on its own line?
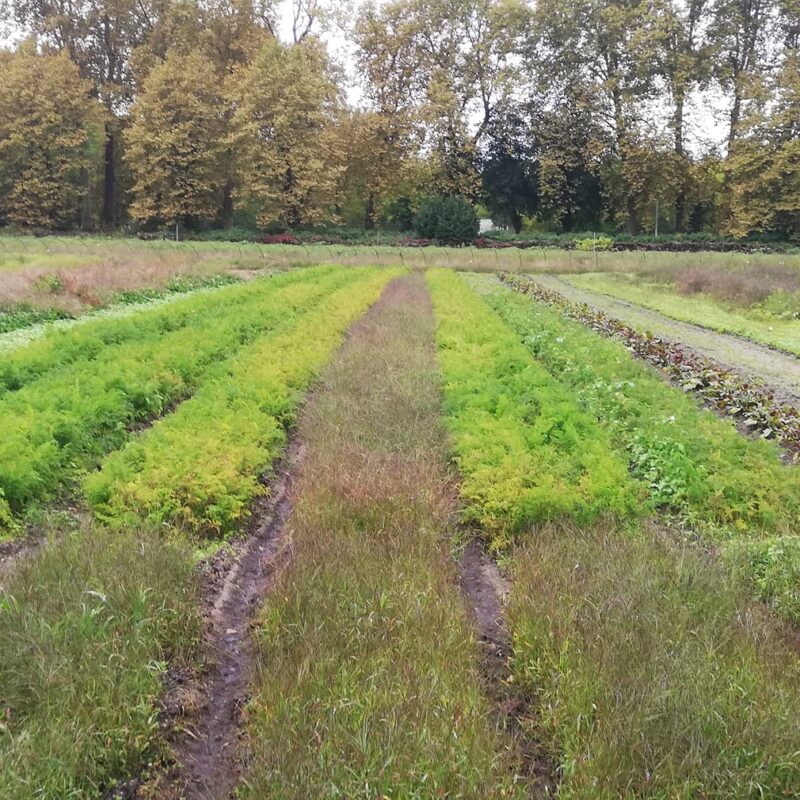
column 58, row 425
column 526, row 450
column 199, row 468
column 650, row 671
column 732, row 489
column 694, row 461
column 93, row 339
column 752, row 404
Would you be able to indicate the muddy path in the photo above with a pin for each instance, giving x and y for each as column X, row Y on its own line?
column 486, row 589
column 778, row 370
column 207, row 752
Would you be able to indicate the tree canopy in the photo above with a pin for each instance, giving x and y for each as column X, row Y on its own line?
column 563, row 114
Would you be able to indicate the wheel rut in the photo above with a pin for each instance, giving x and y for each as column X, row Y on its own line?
column 486, row 589
column 207, row 752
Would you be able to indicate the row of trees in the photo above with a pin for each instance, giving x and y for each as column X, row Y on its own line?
column 579, row 113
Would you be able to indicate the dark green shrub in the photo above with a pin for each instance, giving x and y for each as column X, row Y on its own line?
column 450, row 220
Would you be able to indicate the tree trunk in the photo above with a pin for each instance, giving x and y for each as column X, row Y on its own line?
column 369, row 217
column 86, row 200
column 109, row 181
column 736, row 110
column 680, row 199
column 516, row 221
column 227, row 204
column 621, row 129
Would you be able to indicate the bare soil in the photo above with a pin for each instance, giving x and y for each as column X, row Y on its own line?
column 778, row 370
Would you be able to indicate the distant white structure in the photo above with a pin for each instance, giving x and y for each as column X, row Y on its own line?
column 488, row 226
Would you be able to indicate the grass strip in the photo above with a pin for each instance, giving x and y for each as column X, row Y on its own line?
column 86, row 627
column 23, row 323
column 703, row 310
column 541, row 457
column 367, row 684
column 735, row 491
column 652, row 674
column 200, row 467
column 62, row 423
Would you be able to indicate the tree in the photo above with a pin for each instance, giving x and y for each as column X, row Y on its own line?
column 763, row 168
column 47, row 122
column 574, row 149
column 176, row 142
column 450, row 220
column 510, row 170
column 286, row 124
column 603, row 49
column 99, row 36
column 686, row 63
column 739, row 32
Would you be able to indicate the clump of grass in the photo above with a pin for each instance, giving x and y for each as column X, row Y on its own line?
column 87, row 626
column 652, row 675
column 367, row 684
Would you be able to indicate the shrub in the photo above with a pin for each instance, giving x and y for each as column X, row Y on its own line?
column 278, row 238
column 449, row 220
column 591, row 244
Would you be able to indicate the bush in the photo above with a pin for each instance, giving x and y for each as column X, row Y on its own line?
column 594, row 243
column 450, row 220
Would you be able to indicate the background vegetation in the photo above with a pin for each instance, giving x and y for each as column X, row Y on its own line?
column 563, row 116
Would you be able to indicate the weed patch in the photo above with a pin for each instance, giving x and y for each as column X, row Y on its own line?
column 86, row 628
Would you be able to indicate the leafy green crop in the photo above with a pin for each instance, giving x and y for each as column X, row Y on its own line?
column 60, row 348
column 696, row 463
column 200, row 467
column 58, row 425
column 526, row 451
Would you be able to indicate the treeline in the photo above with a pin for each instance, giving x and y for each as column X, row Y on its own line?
column 574, row 114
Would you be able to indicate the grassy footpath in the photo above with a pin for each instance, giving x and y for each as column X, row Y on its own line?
column 61, row 423
column 367, row 681
column 199, row 468
column 86, row 627
column 701, row 310
column 651, row 674
column 542, row 456
column 734, row 490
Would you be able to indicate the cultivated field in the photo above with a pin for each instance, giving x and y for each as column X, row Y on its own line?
column 326, row 522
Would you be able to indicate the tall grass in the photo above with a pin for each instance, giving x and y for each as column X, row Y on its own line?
column 86, row 628
column 367, row 684
column 653, row 677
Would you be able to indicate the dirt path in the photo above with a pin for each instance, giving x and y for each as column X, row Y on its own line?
column 208, row 754
column 780, row 371
column 486, row 590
